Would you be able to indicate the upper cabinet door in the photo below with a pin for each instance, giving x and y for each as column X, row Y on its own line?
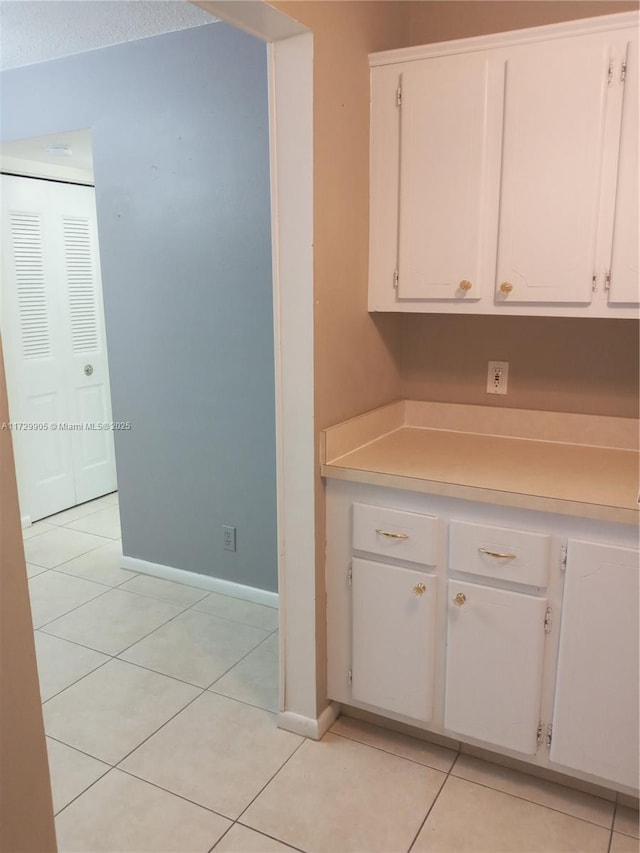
column 451, row 110
column 555, row 104
column 626, row 235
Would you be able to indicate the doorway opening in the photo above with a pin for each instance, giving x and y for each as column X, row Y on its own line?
column 52, row 320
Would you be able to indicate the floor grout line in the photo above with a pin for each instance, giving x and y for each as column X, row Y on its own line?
column 66, row 613
column 269, row 781
column 173, row 793
column 395, row 754
column 435, row 800
column 535, row 802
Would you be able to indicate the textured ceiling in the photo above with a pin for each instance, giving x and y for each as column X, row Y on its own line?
column 38, row 30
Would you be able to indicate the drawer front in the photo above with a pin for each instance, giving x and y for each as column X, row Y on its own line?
column 517, row 556
column 396, row 534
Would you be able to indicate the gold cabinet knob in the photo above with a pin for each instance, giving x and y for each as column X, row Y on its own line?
column 460, row 599
column 506, row 287
column 419, row 589
column 465, row 285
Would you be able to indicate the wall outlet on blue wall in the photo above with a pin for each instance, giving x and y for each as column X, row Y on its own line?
column 229, row 534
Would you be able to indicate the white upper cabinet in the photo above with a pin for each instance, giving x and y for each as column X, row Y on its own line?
column 451, row 111
column 504, row 173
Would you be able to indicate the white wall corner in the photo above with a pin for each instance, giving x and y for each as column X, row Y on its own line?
column 311, row 727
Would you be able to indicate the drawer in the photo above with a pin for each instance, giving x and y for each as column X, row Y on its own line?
column 396, row 534
column 518, row 556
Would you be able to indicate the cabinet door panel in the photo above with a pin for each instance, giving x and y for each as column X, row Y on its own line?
column 555, row 103
column 595, row 718
column 449, row 107
column 393, row 638
column 495, row 651
column 625, row 268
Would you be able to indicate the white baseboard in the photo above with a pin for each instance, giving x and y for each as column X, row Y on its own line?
column 309, row 726
column 168, row 573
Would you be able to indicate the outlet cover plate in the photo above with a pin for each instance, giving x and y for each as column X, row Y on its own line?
column 497, row 377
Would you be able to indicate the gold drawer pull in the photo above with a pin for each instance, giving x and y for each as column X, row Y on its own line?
column 419, row 589
column 506, row 287
column 465, row 285
column 391, row 535
column 497, row 554
column 460, row 599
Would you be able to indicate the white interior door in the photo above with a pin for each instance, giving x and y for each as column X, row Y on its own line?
column 53, row 326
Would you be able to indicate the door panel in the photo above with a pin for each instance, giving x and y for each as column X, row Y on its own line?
column 88, row 382
column 393, row 638
column 34, row 350
column 495, row 651
column 450, row 106
column 595, row 717
column 556, row 95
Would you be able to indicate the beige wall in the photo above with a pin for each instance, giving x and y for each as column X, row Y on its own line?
column 351, row 346
column 561, row 365
column 555, row 364
column 439, row 20
column 26, row 812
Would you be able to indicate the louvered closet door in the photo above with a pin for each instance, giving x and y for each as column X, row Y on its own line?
column 53, row 327
column 82, row 308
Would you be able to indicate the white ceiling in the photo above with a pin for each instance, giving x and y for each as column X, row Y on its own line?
column 38, row 30
column 35, row 149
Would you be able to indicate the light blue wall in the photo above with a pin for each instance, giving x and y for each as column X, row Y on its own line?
column 180, row 133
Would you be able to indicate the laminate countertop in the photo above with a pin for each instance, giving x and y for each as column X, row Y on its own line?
column 578, row 465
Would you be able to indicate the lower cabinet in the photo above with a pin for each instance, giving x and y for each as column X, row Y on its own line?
column 495, row 651
column 595, row 715
column 393, row 638
column 507, row 629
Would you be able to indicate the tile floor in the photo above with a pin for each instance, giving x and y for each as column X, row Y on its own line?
column 159, row 703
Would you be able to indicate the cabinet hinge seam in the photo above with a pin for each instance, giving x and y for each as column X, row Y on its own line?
column 399, row 96
column 539, row 732
column 395, row 278
column 594, row 282
column 610, row 73
column 563, row 558
column 547, row 620
column 549, row 737
column 623, row 72
column 350, row 677
column 607, row 280
column 350, row 576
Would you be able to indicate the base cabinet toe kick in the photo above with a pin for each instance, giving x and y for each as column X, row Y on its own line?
column 511, row 630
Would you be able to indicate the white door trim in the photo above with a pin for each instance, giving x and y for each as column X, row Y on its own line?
column 290, row 58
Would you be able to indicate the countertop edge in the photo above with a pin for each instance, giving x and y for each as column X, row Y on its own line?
column 519, row 500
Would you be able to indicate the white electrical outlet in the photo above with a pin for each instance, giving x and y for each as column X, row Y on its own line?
column 497, row 377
